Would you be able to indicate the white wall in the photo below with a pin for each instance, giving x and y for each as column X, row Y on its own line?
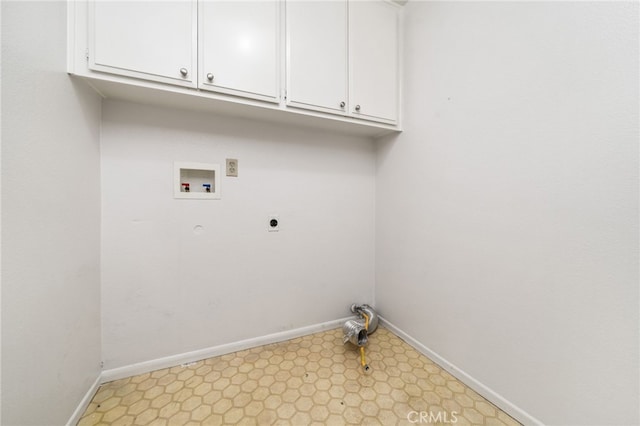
column 167, row 290
column 50, row 221
column 507, row 211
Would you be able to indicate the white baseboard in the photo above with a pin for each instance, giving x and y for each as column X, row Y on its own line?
column 486, row 392
column 171, row 361
column 84, row 403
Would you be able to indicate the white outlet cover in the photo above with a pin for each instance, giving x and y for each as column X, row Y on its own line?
column 273, row 228
column 232, row 167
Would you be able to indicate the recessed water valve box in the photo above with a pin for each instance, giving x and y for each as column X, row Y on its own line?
column 200, row 181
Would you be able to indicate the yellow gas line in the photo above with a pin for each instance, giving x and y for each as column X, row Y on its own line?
column 363, row 360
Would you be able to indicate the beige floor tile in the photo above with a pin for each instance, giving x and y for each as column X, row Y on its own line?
column 311, row 380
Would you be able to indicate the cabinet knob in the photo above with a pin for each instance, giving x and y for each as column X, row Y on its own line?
column 342, row 104
column 210, row 77
column 184, row 72
column 357, row 107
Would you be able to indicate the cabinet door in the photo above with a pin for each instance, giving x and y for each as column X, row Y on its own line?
column 152, row 40
column 373, row 60
column 239, row 48
column 317, row 55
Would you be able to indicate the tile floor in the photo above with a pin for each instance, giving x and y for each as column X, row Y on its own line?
column 309, row 380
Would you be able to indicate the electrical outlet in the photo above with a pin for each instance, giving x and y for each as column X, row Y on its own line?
column 232, row 167
column 274, row 223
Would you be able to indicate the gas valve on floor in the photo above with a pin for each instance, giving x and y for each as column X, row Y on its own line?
column 357, row 330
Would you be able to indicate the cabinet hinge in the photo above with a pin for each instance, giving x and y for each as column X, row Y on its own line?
column 285, row 94
column 86, row 54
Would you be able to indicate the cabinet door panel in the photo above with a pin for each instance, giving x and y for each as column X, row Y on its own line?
column 239, row 48
column 317, row 55
column 153, row 40
column 373, row 60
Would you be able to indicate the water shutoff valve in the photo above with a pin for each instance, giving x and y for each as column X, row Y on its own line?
column 196, row 181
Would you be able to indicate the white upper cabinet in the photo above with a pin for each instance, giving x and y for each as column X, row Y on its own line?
column 373, row 60
column 342, row 58
column 317, row 55
column 327, row 63
column 239, row 48
column 152, row 40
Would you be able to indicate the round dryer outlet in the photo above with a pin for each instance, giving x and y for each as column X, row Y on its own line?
column 273, row 224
